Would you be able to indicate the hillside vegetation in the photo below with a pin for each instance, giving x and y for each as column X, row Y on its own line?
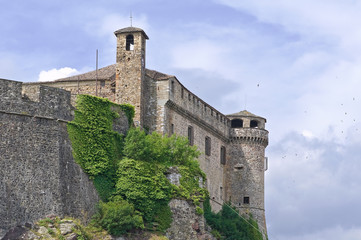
column 129, row 173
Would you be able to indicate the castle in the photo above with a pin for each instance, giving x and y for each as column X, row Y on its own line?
column 232, row 146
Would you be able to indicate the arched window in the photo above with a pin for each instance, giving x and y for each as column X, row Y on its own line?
column 236, row 123
column 130, row 42
column 254, row 124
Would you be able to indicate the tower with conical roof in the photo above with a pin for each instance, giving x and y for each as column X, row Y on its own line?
column 130, row 69
column 246, row 165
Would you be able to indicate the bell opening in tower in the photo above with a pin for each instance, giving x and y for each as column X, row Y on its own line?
column 129, row 42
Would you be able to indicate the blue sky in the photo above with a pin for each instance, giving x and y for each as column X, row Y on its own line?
column 296, row 63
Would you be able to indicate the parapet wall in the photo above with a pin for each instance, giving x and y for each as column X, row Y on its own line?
column 188, row 101
column 34, row 100
column 38, row 176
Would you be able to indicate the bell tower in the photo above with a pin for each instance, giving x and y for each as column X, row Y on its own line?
column 130, row 69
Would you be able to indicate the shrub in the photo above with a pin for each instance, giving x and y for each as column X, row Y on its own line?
column 144, row 185
column 117, row 217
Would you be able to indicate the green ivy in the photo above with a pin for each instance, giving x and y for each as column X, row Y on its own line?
column 96, row 147
column 133, row 168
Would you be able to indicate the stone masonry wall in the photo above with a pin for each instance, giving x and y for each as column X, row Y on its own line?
column 130, row 73
column 38, row 176
column 197, row 107
column 211, row 165
column 245, row 172
column 105, row 89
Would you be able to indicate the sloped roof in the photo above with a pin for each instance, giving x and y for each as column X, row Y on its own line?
column 108, row 72
column 243, row 113
column 131, row 30
column 157, row 75
column 104, row 73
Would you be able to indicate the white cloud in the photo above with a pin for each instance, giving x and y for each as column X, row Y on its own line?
column 54, row 74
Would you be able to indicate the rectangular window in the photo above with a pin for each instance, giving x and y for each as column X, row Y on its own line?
column 171, row 130
column 208, row 146
column 223, row 155
column 182, row 93
column 172, row 87
column 246, row 200
column 190, row 135
column 189, row 96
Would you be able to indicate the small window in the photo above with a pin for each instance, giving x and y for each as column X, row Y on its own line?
column 189, row 96
column 129, row 42
column 172, row 87
column 171, row 130
column 223, row 155
column 254, row 124
column 190, row 135
column 246, row 200
column 236, row 123
column 208, row 146
column 182, row 93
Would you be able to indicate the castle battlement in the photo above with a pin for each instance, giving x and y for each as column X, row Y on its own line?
column 34, row 100
column 250, row 135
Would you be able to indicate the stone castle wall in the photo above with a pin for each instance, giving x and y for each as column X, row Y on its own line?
column 82, row 86
column 38, row 176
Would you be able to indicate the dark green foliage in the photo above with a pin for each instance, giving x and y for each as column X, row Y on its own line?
column 230, row 225
column 105, row 186
column 163, row 217
column 129, row 111
column 133, row 168
column 96, row 147
column 141, row 175
column 117, row 217
column 145, row 185
column 92, row 137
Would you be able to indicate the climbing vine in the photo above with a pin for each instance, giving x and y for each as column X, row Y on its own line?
column 132, row 170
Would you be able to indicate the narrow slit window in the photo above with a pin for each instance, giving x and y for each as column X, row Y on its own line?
column 223, row 155
column 172, row 87
column 208, row 146
column 190, row 135
column 171, row 130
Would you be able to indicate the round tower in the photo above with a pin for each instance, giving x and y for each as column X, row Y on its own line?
column 130, row 69
column 246, row 165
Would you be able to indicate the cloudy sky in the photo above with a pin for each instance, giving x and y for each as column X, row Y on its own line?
column 296, row 63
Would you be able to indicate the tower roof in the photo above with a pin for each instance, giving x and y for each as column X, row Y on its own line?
column 244, row 113
column 131, row 30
